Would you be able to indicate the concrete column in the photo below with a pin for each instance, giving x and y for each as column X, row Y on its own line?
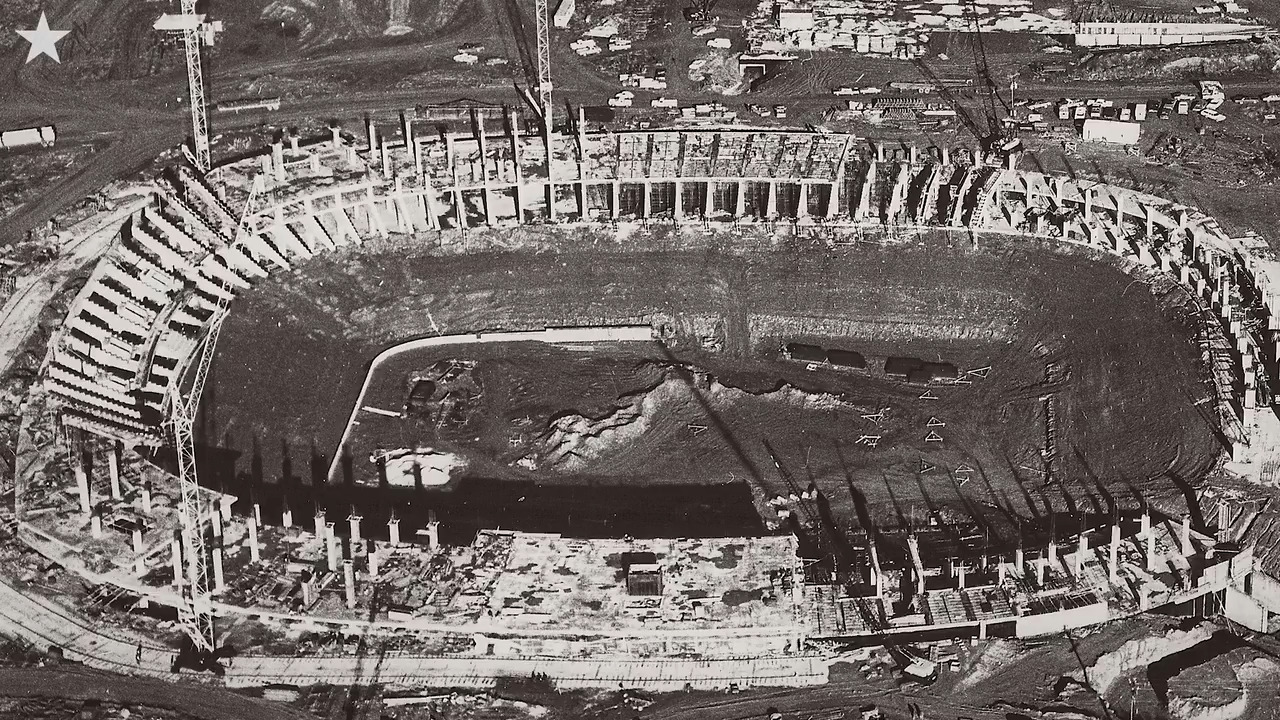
column 384, row 164
column 373, row 558
column 255, row 551
column 1151, row 551
column 1019, row 562
column 277, row 159
column 393, row 529
column 215, row 520
column 1186, row 536
column 771, row 201
column 1082, row 554
column 267, row 168
column 647, row 203
column 95, row 524
column 219, row 581
column 319, row 523
column 1145, row 522
column 709, row 201
column 335, row 137
column 677, row 212
column 914, row 153
column 1041, row 566
column 802, row 204
column 353, row 521
column 113, row 469
column 982, row 629
column 286, row 517
column 960, row 571
column 146, row 497
column 308, row 594
column 740, row 205
column 1052, row 555
column 331, row 540
column 1002, row 571
column 615, row 204
column 257, row 513
column 349, row 583
column 864, row 193
column 433, row 530
column 1113, row 554
column 833, row 200
column 175, row 559
column 1088, row 204
column 1120, row 209
column 139, row 565
column 82, row 486
column 371, row 134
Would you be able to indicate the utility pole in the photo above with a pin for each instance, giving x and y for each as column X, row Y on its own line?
column 195, row 32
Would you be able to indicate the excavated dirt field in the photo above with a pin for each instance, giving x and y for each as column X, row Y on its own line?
column 1118, row 365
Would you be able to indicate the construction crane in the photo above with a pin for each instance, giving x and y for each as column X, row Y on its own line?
column 544, row 71
column 195, row 32
column 195, row 612
column 1000, row 140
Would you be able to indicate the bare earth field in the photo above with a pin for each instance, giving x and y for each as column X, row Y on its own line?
column 1119, row 364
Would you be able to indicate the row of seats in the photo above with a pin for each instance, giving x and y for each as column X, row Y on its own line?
column 150, row 301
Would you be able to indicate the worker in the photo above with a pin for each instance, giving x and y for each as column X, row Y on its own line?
column 137, row 658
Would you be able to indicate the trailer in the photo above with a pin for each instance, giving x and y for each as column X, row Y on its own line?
column 243, row 104
column 42, row 136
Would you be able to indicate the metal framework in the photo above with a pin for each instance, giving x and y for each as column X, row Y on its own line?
column 195, row 31
column 544, row 67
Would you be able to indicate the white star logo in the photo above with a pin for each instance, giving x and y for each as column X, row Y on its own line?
column 43, row 40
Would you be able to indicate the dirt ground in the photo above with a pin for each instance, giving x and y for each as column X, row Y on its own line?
column 1122, row 371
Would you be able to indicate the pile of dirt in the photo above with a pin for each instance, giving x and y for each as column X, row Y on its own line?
column 574, row 441
column 1108, row 669
column 717, row 71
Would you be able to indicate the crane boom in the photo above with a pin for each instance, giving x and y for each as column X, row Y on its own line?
column 195, row 82
column 544, row 65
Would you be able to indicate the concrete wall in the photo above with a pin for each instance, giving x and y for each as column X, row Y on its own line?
column 1242, row 609
column 1056, row 622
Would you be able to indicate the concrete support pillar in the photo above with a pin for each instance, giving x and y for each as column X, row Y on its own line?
column 771, row 201
column 146, row 497
column 615, row 202
column 308, row 592
column 1088, row 204
column 709, row 202
column 740, row 204
column 393, row 529
column 1144, row 522
column 267, row 168
column 1002, row 570
column 1144, row 599
column 215, row 520
column 335, row 137
column 113, row 470
column 334, row 554
column 175, row 559
column 1113, row 554
column 1121, row 210
column 353, row 522
column 139, row 564
column 277, row 159
column 1185, row 537
column 371, row 134
column 255, row 550
column 219, row 580
column 286, row 517
column 1041, row 566
column 960, row 571
column 982, row 629
column 433, row 530
column 82, row 486
column 1019, row 562
column 257, row 513
column 647, row 203
column 802, row 204
column 833, row 200
column 373, row 557
column 320, row 523
column 1082, row 554
column 384, row 160
column 913, row 153
column 349, row 583
column 677, row 211
column 95, row 524
column 1052, row 555
column 293, row 143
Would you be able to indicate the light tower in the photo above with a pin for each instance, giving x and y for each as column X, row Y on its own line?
column 195, row 32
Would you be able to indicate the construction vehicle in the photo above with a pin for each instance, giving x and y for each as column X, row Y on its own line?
column 1000, row 141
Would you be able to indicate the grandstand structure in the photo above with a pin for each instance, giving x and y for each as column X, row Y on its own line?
column 138, row 321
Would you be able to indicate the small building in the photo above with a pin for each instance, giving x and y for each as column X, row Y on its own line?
column 644, row 574
column 564, row 13
column 846, row 358
column 1117, row 132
